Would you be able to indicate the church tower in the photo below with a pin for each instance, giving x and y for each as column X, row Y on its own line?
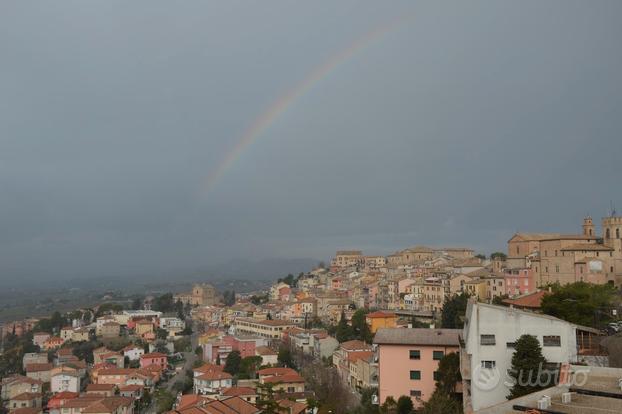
column 588, row 227
column 612, row 231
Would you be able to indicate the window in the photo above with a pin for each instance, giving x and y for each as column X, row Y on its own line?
column 415, row 354
column 415, row 375
column 511, row 344
column 438, row 355
column 487, row 340
column 415, row 393
column 551, row 340
column 488, row 364
column 607, row 234
column 557, row 268
column 617, row 233
column 437, row 376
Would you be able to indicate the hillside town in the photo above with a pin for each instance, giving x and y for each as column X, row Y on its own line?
column 424, row 329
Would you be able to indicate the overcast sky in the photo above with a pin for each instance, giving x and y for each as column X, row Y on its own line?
column 463, row 123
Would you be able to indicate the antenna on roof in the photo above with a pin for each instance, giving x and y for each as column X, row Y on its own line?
column 613, row 209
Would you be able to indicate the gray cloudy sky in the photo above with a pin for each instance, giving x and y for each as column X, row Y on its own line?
column 461, row 125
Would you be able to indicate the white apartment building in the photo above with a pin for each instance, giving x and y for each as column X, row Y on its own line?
column 488, row 345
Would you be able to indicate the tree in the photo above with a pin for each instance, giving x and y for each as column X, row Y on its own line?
column 164, row 400
column 137, row 303
column 416, row 323
column 232, row 363
column 285, row 357
column 389, row 405
column 266, row 402
column 360, row 328
column 179, row 308
column 229, row 297
column 441, row 403
column 404, row 405
column 580, row 303
column 448, row 373
column 481, row 256
column 249, row 366
column 527, row 368
column 367, row 406
column 498, row 300
column 344, row 331
column 103, row 309
column 164, row 303
column 161, row 333
column 454, row 311
column 498, row 255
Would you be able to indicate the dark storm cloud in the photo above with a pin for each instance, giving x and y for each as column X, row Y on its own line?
column 461, row 126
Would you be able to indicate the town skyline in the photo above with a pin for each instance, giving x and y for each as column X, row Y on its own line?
column 241, row 133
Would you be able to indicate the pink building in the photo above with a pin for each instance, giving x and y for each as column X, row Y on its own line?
column 519, row 282
column 246, row 346
column 408, row 360
column 153, row 358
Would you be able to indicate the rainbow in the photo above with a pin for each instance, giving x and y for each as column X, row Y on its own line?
column 280, row 105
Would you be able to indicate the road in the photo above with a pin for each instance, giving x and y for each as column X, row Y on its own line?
column 190, row 358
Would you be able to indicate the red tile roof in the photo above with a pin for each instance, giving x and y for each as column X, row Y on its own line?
column 531, row 301
column 284, row 378
column 276, row 371
column 237, row 391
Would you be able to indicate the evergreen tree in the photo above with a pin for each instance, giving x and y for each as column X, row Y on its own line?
column 404, row 405
column 232, row 364
column 440, row 403
column 454, row 311
column 528, row 368
column 344, row 331
column 266, row 402
column 448, row 373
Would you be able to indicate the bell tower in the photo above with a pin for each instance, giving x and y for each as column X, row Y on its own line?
column 588, row 227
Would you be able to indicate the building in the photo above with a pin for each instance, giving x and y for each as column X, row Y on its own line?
column 88, row 404
column 34, row 358
column 271, row 329
column 346, row 354
column 110, row 330
column 347, row 258
column 268, row 356
column 284, row 380
column 380, row 319
column 41, row 372
column 593, row 390
column 489, row 335
column 408, row 360
column 102, row 390
column 19, row 384
column 25, row 400
column 568, row 258
column 133, row 352
column 519, row 282
column 202, row 294
column 154, row 358
column 210, row 379
column 248, row 394
column 64, row 379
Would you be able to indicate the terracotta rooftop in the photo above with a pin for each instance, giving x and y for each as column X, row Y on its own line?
column 284, row 378
column 237, row 391
column 530, row 301
column 276, row 371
